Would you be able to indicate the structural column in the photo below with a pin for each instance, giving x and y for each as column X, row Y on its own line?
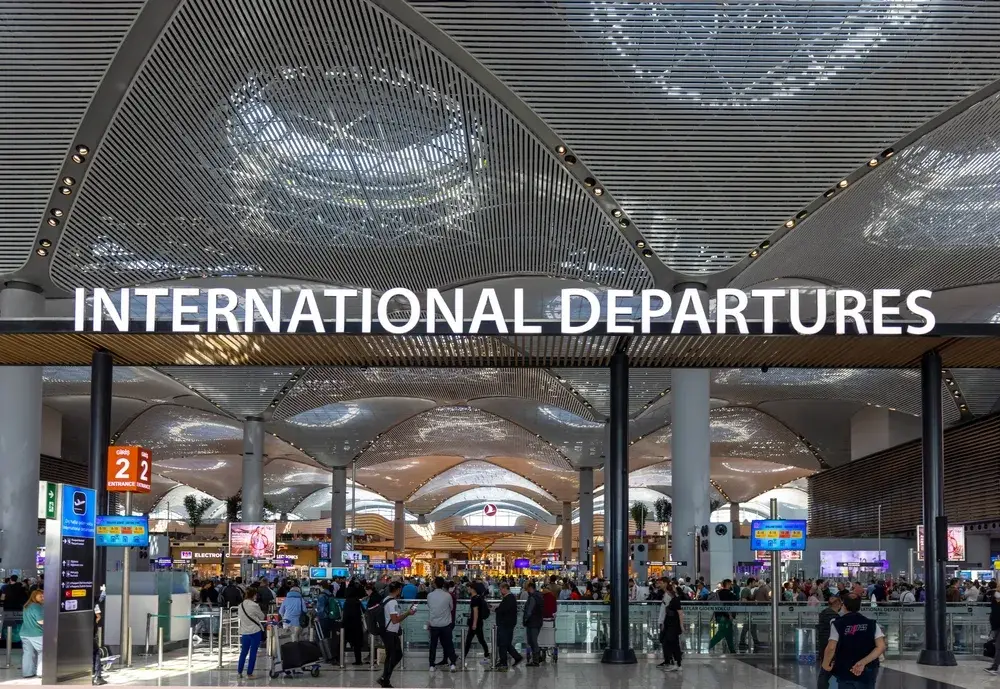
column 935, row 521
column 338, row 516
column 20, row 440
column 399, row 528
column 586, row 519
column 619, row 650
column 690, row 445
column 567, row 532
column 253, row 470
column 101, row 378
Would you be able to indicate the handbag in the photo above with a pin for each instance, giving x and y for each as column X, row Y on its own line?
column 990, row 648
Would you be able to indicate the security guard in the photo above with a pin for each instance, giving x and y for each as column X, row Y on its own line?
column 855, row 645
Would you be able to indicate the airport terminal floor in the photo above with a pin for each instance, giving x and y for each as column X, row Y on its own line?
column 679, row 319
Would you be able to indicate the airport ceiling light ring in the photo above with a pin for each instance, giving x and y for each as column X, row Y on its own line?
column 390, row 143
column 567, row 418
column 807, row 48
column 327, row 416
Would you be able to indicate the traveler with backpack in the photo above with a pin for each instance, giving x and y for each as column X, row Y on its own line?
column 293, row 612
column 478, row 612
column 232, row 595
column 388, row 623
column 533, row 615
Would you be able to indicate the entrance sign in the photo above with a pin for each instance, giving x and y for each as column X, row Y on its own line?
column 623, row 312
column 130, row 469
column 778, row 534
column 258, row 541
column 126, row 532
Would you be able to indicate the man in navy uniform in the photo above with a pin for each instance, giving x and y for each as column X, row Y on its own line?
column 855, row 645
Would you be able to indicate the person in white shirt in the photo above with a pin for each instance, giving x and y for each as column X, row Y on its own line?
column 440, row 608
column 906, row 595
column 251, row 620
column 393, row 625
column 972, row 594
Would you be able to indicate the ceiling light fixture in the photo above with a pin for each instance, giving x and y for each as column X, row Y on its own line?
column 82, row 150
column 52, row 222
column 589, row 182
column 843, row 183
column 79, row 159
column 69, row 181
column 617, row 212
column 873, row 162
column 570, row 160
column 623, row 223
column 755, row 253
column 789, row 224
column 802, row 215
column 829, row 193
column 888, row 153
column 598, row 191
column 45, row 243
column 65, row 191
column 42, row 252
column 646, row 253
column 57, row 212
column 765, row 244
column 561, row 150
column 640, row 244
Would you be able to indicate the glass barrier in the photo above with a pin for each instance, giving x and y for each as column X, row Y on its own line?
column 581, row 627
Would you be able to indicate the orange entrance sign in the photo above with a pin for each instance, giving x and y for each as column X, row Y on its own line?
column 130, row 469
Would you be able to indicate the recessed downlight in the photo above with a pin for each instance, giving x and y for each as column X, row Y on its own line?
column 82, row 150
column 617, row 212
column 843, row 183
column 57, row 212
column 802, row 215
column 789, row 224
column 873, row 162
column 829, row 192
column 623, row 223
column 42, row 252
column 561, row 150
column 570, row 160
column 44, row 243
column 647, row 253
column 755, row 253
column 888, row 153
column 65, row 191
column 640, row 244
column 52, row 222
column 589, row 182
column 598, row 191
column 69, row 181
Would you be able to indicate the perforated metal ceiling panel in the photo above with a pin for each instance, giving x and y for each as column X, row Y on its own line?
column 54, row 55
column 644, row 386
column 459, row 431
column 579, row 439
column 397, row 479
column 713, row 123
column 322, row 386
column 471, row 475
column 895, row 389
column 326, row 143
column 335, row 433
column 237, row 390
column 928, row 218
column 980, row 388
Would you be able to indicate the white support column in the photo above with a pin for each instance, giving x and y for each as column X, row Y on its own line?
column 338, row 516
column 399, row 528
column 20, row 441
column 691, row 449
column 567, row 532
column 253, row 470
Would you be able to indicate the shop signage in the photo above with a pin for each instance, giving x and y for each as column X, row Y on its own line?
column 187, row 555
column 129, row 469
column 624, row 312
column 778, row 534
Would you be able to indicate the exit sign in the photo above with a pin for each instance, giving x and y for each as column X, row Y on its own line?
column 46, row 500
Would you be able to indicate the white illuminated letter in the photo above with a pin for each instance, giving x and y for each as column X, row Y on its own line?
column 306, row 300
column 488, row 297
column 79, row 309
column 214, row 310
column 691, row 301
column 339, row 297
column 151, row 293
column 723, row 311
column 254, row 304
column 648, row 312
column 383, row 310
column 794, row 306
column 519, row 325
column 567, row 310
column 102, row 303
column 180, row 308
column 614, row 311
column 366, row 310
column 768, row 295
column 843, row 313
column 880, row 311
column 920, row 312
column 454, row 318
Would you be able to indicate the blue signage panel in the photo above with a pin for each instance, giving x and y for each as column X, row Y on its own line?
column 522, row 563
column 340, row 572
column 324, row 551
column 131, row 532
column 778, row 534
column 319, row 573
column 79, row 511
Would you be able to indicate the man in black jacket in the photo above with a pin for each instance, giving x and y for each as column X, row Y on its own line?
column 826, row 616
column 506, row 621
column 533, row 616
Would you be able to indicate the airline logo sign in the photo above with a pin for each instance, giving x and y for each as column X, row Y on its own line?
column 130, row 469
column 490, row 510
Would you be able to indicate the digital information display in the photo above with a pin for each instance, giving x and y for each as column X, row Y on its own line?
column 131, row 532
column 522, row 563
column 778, row 534
column 258, row 541
column 324, row 551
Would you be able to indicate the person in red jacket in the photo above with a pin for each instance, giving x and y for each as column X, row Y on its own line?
column 549, row 602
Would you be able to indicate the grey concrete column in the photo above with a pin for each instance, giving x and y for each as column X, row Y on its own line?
column 338, row 516
column 20, row 441
column 691, row 448
column 399, row 528
column 734, row 514
column 567, row 532
column 253, row 470
column 586, row 518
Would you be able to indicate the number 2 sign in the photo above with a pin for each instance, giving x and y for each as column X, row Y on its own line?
column 129, row 469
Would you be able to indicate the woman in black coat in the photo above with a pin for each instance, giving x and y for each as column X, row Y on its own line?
column 353, row 629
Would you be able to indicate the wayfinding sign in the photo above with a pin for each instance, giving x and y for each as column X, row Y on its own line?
column 130, row 469
column 778, row 534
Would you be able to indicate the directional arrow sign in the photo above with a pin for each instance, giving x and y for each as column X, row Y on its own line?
column 46, row 500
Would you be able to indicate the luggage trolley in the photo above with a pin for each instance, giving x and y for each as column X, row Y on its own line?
column 292, row 656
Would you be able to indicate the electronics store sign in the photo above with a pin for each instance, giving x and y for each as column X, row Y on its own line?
column 625, row 312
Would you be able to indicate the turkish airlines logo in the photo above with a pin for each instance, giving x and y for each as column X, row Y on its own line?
column 490, row 510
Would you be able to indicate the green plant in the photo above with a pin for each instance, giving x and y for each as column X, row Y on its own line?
column 196, row 510
column 663, row 511
column 234, row 507
column 639, row 512
column 714, row 505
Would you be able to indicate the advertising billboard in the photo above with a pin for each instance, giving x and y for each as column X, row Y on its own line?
column 956, row 543
column 841, row 563
column 253, row 540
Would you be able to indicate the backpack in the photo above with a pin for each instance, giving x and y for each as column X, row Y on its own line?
column 484, row 609
column 232, row 596
column 333, row 609
column 375, row 619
